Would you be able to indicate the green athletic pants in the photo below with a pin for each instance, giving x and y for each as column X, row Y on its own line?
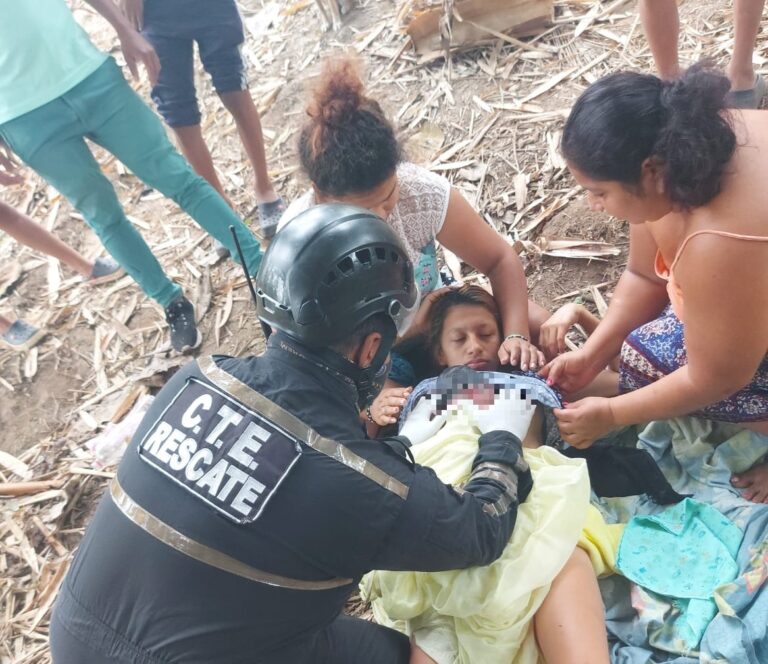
column 104, row 109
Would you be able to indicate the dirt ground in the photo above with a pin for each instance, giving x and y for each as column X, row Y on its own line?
column 490, row 121
column 103, row 339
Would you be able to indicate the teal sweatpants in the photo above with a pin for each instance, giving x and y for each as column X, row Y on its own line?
column 104, row 109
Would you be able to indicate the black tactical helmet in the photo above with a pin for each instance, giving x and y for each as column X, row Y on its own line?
column 330, row 269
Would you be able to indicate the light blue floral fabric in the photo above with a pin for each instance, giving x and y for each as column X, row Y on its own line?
column 427, row 278
column 683, row 554
column 657, row 348
column 425, row 272
column 698, row 458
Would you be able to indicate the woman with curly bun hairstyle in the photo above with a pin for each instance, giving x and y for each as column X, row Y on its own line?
column 350, row 153
column 690, row 312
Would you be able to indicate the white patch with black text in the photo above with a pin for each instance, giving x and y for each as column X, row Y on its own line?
column 225, row 454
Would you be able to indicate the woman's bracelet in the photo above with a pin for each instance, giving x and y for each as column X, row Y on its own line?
column 368, row 415
column 517, row 336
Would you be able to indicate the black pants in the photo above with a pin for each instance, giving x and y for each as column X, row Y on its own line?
column 348, row 641
column 345, row 641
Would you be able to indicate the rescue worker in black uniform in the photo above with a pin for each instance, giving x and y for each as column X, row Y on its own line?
column 250, row 503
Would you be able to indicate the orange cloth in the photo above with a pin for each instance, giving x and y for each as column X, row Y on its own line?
column 667, row 273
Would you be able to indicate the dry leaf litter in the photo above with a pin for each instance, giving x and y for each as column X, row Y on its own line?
column 489, row 118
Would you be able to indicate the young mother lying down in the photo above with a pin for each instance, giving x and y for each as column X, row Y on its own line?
column 690, row 312
column 539, row 601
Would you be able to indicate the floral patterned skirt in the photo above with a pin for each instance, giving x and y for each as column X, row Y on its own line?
column 657, row 348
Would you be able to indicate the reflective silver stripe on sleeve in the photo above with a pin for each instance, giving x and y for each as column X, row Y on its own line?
column 205, row 554
column 505, row 476
column 294, row 426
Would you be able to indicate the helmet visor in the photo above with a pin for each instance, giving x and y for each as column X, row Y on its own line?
column 403, row 316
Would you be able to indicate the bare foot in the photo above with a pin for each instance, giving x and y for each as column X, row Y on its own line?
column 754, row 482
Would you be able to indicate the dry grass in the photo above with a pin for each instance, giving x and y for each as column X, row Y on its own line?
column 489, row 121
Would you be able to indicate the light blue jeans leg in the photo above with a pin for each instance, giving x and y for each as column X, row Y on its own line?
column 123, row 124
column 50, row 141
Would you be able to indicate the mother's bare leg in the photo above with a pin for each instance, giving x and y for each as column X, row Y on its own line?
column 570, row 624
column 418, row 656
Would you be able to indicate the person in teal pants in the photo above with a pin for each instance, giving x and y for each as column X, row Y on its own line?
column 56, row 90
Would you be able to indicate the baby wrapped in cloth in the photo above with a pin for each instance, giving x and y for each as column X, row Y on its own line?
column 485, row 614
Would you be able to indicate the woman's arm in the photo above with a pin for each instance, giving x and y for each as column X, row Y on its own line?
column 725, row 287
column 466, row 234
column 640, row 296
column 554, row 330
column 726, row 334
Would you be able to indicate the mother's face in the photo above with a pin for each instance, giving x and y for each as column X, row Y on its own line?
column 470, row 337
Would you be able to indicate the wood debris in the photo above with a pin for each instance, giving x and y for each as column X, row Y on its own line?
column 492, row 128
column 471, row 21
column 571, row 248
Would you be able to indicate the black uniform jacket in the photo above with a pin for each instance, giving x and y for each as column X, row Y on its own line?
column 325, row 520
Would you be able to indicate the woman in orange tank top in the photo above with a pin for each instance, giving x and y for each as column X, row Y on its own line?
column 690, row 312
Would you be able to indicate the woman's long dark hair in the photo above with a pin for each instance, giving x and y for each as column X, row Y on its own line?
column 626, row 118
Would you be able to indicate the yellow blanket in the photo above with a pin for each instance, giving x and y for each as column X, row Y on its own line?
column 484, row 614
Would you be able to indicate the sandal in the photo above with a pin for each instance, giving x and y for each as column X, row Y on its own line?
column 747, row 98
column 21, row 336
column 105, row 269
column 269, row 217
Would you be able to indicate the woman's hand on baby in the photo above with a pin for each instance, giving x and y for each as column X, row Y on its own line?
column 570, row 371
column 553, row 330
column 423, row 421
column 586, row 420
column 518, row 352
column 386, row 407
column 510, row 411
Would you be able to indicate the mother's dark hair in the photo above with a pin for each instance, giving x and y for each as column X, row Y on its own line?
column 626, row 118
column 467, row 295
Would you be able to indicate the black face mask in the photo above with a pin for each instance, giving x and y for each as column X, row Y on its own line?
column 368, row 388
